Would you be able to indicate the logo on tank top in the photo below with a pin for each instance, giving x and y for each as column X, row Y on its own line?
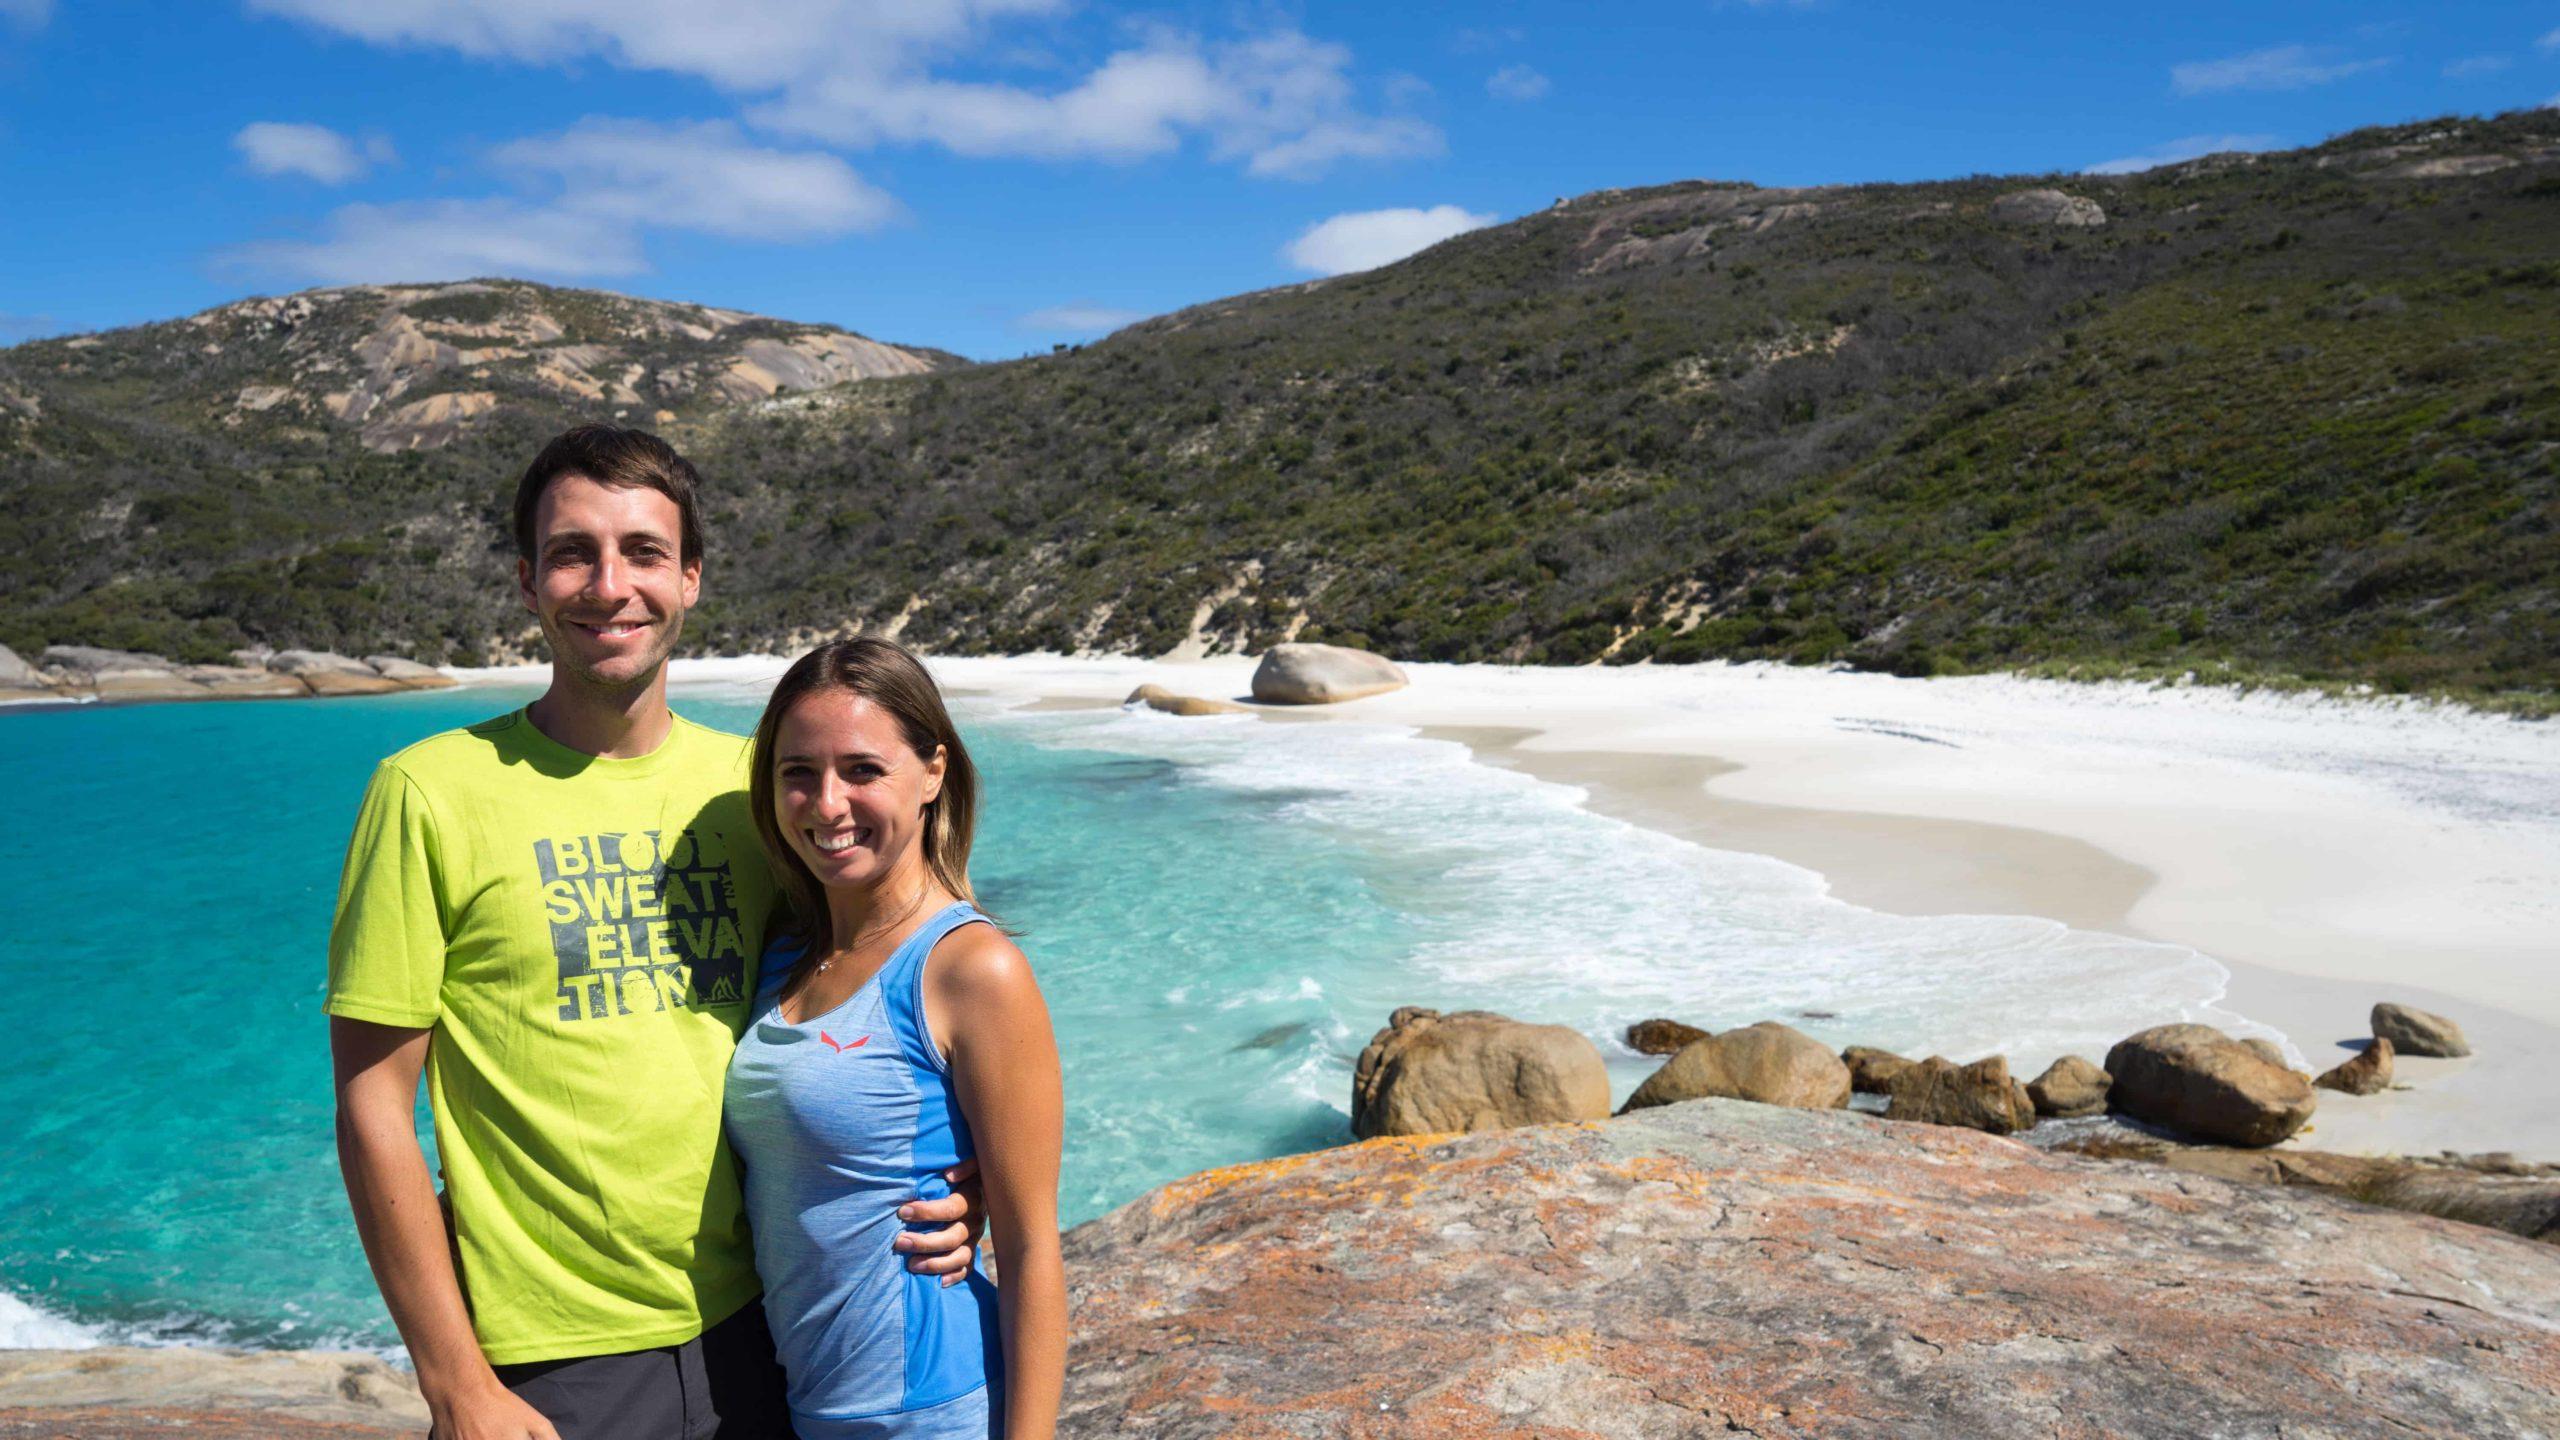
column 642, row 922
column 840, row 1046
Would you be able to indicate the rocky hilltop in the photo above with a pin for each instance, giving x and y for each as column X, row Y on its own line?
column 410, row 367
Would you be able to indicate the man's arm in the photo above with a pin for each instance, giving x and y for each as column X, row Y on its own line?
column 377, row 1069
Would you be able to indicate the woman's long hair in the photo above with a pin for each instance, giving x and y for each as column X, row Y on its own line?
column 890, row 676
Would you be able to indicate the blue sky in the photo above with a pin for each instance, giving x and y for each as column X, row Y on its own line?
column 995, row 176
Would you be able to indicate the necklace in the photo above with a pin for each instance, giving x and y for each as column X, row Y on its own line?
column 892, row 923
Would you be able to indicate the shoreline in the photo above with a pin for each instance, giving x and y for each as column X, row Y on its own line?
column 2319, row 884
column 2314, row 885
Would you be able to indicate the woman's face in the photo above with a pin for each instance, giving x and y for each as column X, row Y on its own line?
column 848, row 792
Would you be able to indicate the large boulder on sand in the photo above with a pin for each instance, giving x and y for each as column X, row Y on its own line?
column 1872, row 1071
column 2417, row 1032
column 1429, row 1073
column 1771, row 1063
column 1720, row 1268
column 1663, row 1037
column 17, row 674
column 1156, row 697
column 1980, row 1096
column 2195, row 1079
column 1322, row 674
column 2048, row 207
column 2070, row 1088
column 2366, row 1074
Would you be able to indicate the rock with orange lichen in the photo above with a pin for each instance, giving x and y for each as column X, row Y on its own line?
column 1427, row 1073
column 1722, row 1267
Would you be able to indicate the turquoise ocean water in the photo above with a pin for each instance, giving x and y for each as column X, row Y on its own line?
column 1221, row 912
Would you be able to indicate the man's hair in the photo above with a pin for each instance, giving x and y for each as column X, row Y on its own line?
column 611, row 455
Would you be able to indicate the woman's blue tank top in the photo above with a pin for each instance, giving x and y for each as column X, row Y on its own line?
column 836, row 1122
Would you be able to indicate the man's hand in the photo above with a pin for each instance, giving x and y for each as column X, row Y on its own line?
column 949, row 1251
column 488, row 1414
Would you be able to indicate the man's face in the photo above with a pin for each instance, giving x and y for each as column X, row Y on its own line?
column 607, row 580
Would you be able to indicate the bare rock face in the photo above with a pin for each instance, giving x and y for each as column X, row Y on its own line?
column 2410, row 1031
column 244, row 682
column 317, row 662
column 1980, row 1096
column 2048, row 207
column 1718, row 1268
column 1429, row 1073
column 1769, row 1062
column 325, row 673
column 2195, row 1079
column 2070, row 1088
column 408, row 672
column 1156, row 697
column 17, row 673
column 1663, row 1037
column 2366, row 1074
column 1872, row 1071
column 1305, row 674
column 112, row 1392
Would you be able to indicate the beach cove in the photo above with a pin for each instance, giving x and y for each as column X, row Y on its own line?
column 1230, row 905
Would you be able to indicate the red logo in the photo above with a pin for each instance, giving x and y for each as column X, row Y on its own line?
column 840, row 1048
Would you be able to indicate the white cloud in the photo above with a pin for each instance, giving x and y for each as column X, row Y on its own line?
column 703, row 177
column 2474, row 65
column 314, row 152
column 869, row 72
column 1078, row 317
column 2186, row 147
column 1516, row 82
column 1281, row 102
column 591, row 196
column 2280, row 67
column 429, row 240
column 1367, row 239
column 2549, row 41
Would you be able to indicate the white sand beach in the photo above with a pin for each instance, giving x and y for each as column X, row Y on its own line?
column 2328, row 853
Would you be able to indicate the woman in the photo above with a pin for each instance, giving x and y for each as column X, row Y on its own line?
column 895, row 1032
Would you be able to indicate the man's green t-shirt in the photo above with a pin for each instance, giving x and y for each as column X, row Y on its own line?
column 582, row 934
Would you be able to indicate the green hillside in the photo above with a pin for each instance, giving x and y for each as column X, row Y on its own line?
column 2287, row 414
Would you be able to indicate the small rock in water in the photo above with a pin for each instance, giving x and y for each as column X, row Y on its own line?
column 1662, row 1037
column 1156, row 697
column 2070, row 1088
column 1772, row 1063
column 1275, row 1037
column 1817, row 1014
column 1872, row 1071
column 1980, row 1096
column 2366, row 1074
column 2416, row 1032
column 1429, row 1073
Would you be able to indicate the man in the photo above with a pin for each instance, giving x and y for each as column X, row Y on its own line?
column 556, row 916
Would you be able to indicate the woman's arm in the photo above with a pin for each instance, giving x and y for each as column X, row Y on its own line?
column 980, row 997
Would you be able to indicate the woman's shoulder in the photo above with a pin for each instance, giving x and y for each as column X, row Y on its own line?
column 976, row 957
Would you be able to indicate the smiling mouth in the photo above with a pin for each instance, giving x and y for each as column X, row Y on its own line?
column 611, row 630
column 838, row 844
